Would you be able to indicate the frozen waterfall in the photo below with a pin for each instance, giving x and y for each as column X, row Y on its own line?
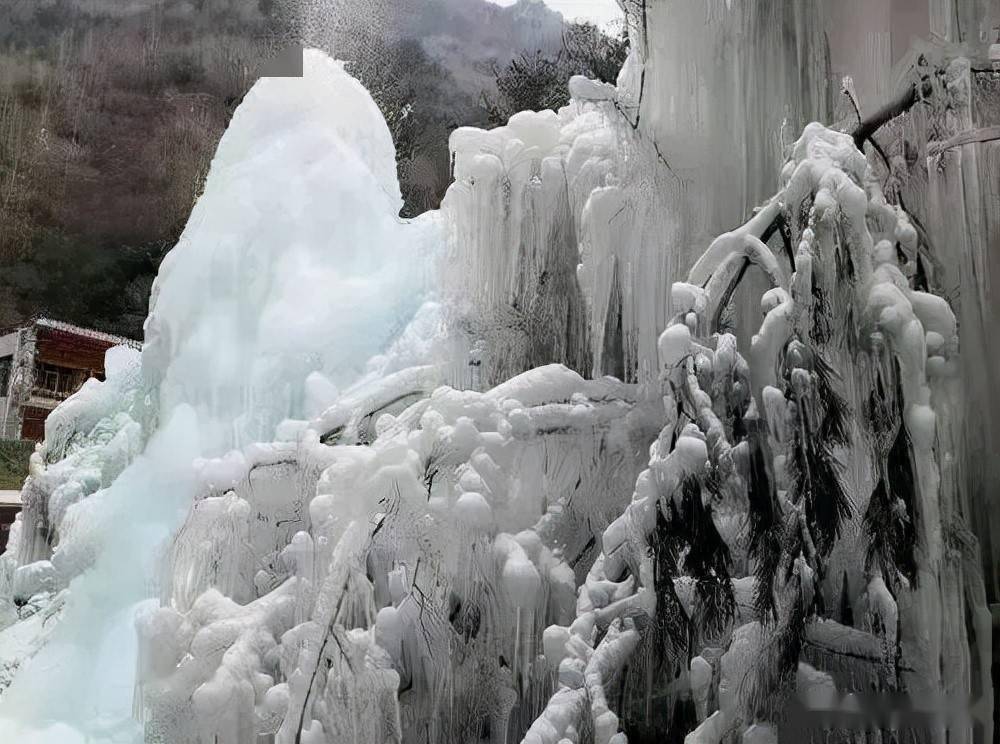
column 657, row 430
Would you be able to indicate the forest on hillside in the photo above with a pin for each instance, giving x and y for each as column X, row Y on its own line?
column 110, row 114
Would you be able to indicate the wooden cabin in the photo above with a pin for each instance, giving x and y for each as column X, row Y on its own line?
column 41, row 364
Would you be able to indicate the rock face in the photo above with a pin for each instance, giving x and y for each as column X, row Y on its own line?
column 581, row 494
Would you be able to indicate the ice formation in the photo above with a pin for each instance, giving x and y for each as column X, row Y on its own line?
column 257, row 316
column 566, row 498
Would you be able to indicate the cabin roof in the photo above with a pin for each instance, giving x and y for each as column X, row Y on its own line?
column 75, row 330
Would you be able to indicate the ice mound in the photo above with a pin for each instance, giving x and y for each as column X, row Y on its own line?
column 294, row 261
column 294, row 266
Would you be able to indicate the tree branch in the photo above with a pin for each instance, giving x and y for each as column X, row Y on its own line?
column 909, row 98
column 778, row 224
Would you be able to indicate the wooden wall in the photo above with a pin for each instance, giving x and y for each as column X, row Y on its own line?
column 70, row 350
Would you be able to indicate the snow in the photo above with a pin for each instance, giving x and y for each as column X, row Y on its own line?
column 674, row 345
column 521, row 581
column 474, row 510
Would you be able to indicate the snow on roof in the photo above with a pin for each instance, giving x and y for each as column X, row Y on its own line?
column 10, row 498
column 89, row 333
